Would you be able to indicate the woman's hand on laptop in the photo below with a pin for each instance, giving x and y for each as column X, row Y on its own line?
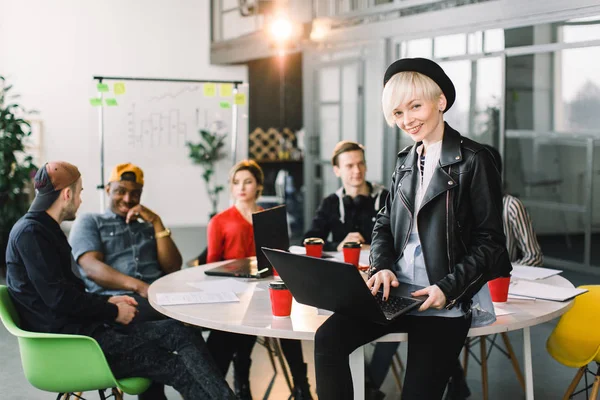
column 436, row 298
column 384, row 277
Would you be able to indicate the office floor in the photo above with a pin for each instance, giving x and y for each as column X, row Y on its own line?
column 550, row 378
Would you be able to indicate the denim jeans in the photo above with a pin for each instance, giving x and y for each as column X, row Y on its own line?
column 167, row 352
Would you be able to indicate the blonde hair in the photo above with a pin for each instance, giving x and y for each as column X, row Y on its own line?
column 252, row 167
column 404, row 86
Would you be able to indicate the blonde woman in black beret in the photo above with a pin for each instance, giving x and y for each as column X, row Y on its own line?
column 441, row 228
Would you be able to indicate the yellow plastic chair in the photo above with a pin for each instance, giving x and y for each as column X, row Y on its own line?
column 64, row 364
column 575, row 342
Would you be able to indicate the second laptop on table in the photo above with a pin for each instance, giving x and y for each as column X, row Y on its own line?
column 270, row 230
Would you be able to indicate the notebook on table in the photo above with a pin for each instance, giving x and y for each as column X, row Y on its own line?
column 339, row 287
column 270, row 230
column 542, row 291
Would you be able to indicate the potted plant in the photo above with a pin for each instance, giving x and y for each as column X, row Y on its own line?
column 206, row 153
column 16, row 167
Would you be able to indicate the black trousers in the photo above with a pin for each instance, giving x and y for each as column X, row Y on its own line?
column 434, row 344
column 224, row 346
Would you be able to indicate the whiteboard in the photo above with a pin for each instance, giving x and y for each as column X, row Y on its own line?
column 150, row 126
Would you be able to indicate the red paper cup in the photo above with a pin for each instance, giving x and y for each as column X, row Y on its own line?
column 499, row 289
column 351, row 252
column 281, row 299
column 314, row 247
column 275, row 273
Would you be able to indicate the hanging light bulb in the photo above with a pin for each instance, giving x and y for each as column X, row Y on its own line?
column 281, row 29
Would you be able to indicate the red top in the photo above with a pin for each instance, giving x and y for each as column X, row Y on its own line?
column 230, row 236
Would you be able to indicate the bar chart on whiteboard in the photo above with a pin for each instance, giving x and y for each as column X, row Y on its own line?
column 157, row 129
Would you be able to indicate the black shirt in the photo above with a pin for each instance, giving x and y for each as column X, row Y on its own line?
column 47, row 294
column 339, row 215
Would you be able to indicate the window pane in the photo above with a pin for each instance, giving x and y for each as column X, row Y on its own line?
column 493, row 40
column 578, row 90
column 475, row 42
column 545, row 172
column 486, row 124
column 329, row 82
column 460, row 74
column 586, row 29
column 329, row 129
column 418, row 48
column 329, row 136
column 350, row 105
column 450, row 45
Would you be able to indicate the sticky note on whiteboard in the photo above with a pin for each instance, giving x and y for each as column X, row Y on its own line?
column 102, row 87
column 119, row 88
column 225, row 90
column 210, row 90
column 240, row 99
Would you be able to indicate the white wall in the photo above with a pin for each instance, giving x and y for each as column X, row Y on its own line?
column 50, row 50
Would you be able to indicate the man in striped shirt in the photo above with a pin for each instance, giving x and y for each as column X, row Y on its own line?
column 521, row 241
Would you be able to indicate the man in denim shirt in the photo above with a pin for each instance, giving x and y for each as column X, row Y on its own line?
column 126, row 248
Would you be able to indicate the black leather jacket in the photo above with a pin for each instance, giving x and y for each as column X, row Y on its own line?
column 460, row 219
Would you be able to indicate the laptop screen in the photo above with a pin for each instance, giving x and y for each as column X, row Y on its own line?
column 270, row 230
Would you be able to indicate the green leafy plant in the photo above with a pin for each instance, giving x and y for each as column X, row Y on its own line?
column 16, row 167
column 206, row 153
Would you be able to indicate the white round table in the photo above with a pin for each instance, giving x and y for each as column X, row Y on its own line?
column 252, row 316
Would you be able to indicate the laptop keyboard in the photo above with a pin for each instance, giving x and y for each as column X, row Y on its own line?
column 393, row 305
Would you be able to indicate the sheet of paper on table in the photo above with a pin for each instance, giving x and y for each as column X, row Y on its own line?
column 543, row 291
column 178, row 298
column 297, row 250
column 502, row 309
column 517, row 297
column 234, row 285
column 533, row 273
column 321, row 311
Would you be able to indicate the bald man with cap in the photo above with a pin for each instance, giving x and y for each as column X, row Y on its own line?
column 50, row 298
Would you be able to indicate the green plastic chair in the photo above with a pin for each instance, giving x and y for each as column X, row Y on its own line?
column 61, row 363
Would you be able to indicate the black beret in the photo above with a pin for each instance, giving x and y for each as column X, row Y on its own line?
column 428, row 68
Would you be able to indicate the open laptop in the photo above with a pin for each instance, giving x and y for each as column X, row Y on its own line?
column 339, row 287
column 270, row 230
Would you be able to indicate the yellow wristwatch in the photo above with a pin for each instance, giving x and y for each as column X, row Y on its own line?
column 165, row 233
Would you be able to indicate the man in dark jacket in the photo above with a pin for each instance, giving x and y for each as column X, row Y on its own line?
column 348, row 215
column 49, row 297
